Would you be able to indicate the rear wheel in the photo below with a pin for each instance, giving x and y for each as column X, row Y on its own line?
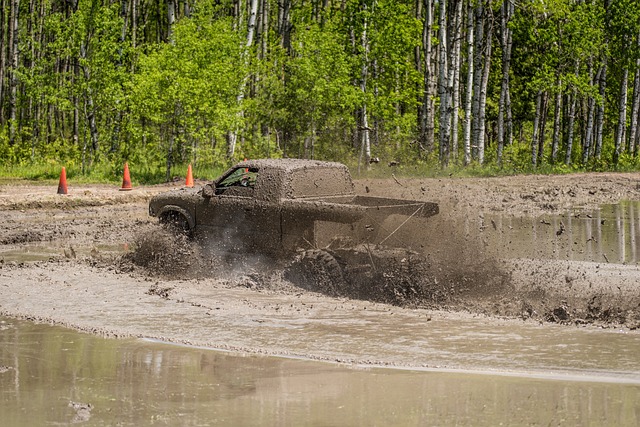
column 317, row 270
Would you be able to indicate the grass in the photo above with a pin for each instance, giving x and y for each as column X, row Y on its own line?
column 148, row 174
column 102, row 174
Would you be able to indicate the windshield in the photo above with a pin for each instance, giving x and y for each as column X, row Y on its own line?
column 238, row 178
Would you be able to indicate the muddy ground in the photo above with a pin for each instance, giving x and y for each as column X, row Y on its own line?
column 95, row 261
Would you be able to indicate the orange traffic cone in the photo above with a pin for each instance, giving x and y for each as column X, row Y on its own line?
column 189, row 182
column 126, row 180
column 62, row 185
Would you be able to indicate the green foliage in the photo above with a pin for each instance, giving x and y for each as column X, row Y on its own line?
column 171, row 96
column 187, row 90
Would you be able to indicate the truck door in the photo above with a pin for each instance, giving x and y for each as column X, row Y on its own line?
column 229, row 216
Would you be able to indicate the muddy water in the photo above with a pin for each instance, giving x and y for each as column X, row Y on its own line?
column 476, row 372
column 610, row 234
column 50, row 376
column 51, row 250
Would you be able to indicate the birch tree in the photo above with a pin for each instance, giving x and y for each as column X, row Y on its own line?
column 469, row 85
column 426, row 111
column 506, row 40
column 15, row 62
column 365, row 143
column 232, row 136
column 443, row 85
column 635, row 105
column 4, row 35
column 454, row 76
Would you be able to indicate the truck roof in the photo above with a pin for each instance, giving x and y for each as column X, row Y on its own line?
column 289, row 164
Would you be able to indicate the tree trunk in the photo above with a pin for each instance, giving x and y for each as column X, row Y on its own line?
column 284, row 24
column 15, row 57
column 483, row 92
column 543, row 125
column 536, row 124
column 588, row 139
column 477, row 78
column 572, row 118
column 555, row 141
column 76, row 108
column 635, row 110
column 232, row 136
column 600, row 110
column 455, row 71
column 3, row 59
column 426, row 119
column 134, row 27
column 265, row 29
column 469, row 93
column 365, row 147
column 622, row 116
column 90, row 107
column 171, row 19
column 506, row 12
column 443, row 83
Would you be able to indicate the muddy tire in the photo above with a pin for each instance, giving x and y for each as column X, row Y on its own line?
column 176, row 223
column 317, row 270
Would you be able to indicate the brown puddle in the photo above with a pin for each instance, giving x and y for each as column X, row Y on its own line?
column 51, row 376
column 610, row 234
column 476, row 371
column 51, row 250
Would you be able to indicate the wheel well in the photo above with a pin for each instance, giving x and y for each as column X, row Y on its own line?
column 175, row 218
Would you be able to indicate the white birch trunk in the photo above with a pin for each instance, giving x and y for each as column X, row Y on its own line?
column 15, row 56
column 600, row 110
column 477, row 78
column 505, row 41
column 171, row 19
column 232, row 136
column 455, row 71
column 635, row 112
column 90, row 107
column 443, row 83
column 572, row 119
column 3, row 59
column 469, row 93
column 588, row 139
column 483, row 96
column 365, row 142
column 555, row 141
column 622, row 116
column 536, row 124
column 427, row 115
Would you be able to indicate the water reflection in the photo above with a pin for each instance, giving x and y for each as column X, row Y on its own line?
column 130, row 382
column 609, row 234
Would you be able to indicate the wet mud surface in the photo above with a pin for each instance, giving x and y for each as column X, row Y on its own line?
column 95, row 261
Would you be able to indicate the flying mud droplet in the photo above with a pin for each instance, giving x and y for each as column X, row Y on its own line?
column 164, row 252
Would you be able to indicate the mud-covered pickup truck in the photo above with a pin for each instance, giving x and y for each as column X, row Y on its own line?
column 282, row 205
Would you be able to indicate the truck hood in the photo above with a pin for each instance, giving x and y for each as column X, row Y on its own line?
column 181, row 197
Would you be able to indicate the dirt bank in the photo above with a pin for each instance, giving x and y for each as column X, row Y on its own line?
column 62, row 261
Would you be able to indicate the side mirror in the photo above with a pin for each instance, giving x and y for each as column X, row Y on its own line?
column 209, row 190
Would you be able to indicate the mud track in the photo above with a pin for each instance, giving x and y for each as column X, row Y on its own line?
column 95, row 261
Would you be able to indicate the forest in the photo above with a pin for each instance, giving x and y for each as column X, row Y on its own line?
column 495, row 86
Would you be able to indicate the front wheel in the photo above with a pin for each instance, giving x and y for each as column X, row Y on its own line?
column 176, row 222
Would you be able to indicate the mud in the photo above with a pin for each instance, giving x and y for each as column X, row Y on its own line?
column 142, row 382
column 103, row 253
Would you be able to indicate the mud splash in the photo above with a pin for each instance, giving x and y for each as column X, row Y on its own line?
column 460, row 278
column 447, row 264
